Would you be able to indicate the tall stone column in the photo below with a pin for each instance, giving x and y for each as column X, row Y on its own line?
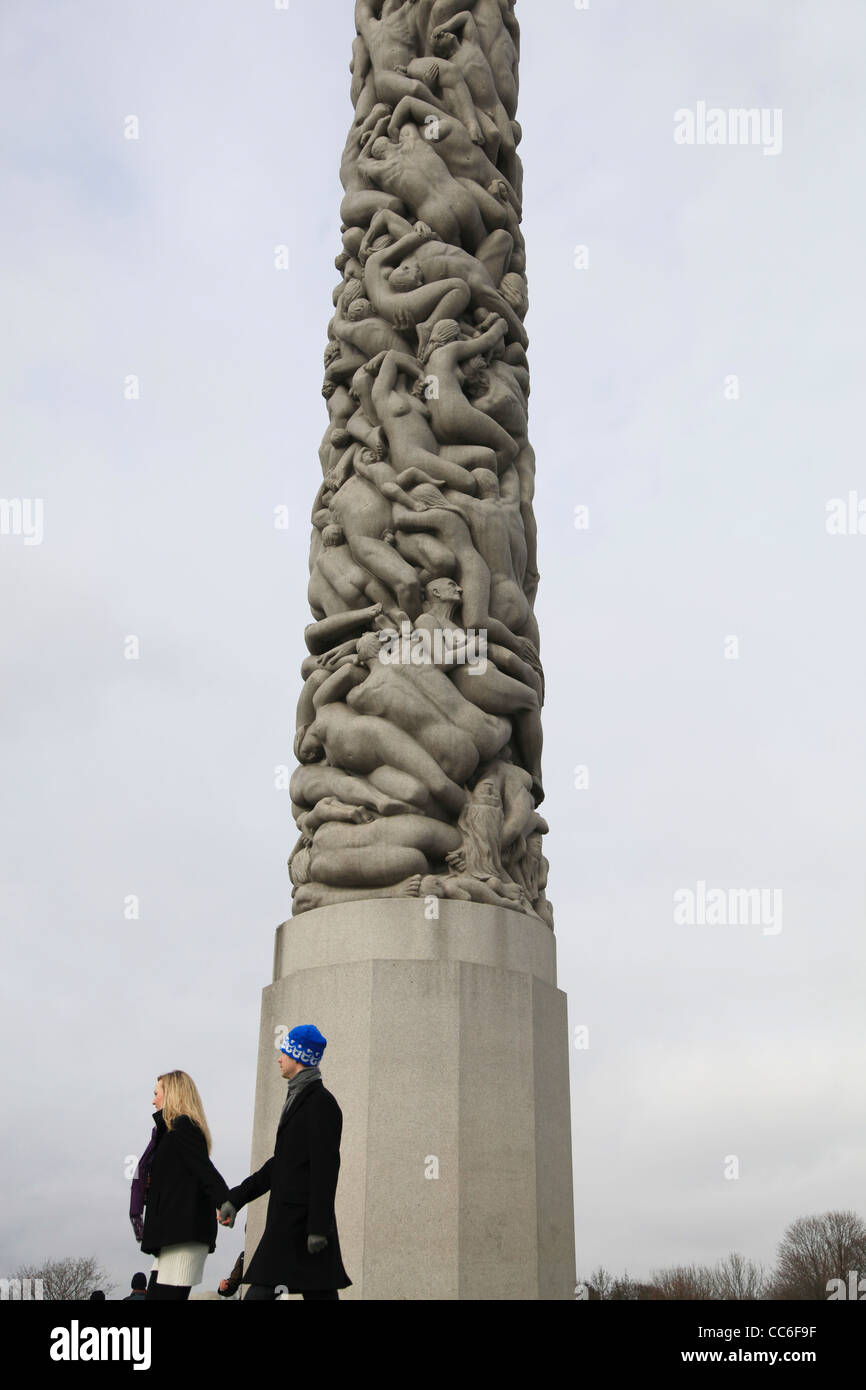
column 421, row 941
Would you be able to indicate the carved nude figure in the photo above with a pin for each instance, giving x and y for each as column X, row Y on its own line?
column 380, row 853
column 420, row 767
column 364, row 517
column 405, row 418
column 488, row 517
column 391, row 41
column 459, row 44
column 411, row 169
column 464, row 159
column 338, row 582
column 498, row 34
column 433, row 262
column 455, row 418
column 399, row 292
column 365, row 743
column 421, row 700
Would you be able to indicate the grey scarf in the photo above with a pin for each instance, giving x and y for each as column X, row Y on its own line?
column 295, row 1085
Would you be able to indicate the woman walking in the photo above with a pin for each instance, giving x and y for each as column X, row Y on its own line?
column 183, row 1190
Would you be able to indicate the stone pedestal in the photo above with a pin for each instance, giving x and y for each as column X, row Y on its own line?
column 448, row 1054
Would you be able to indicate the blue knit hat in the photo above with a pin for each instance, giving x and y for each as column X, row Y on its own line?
column 306, row 1044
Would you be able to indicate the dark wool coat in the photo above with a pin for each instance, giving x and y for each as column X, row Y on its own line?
column 184, row 1191
column 302, row 1180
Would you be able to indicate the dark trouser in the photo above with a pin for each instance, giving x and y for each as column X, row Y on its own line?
column 264, row 1291
column 175, row 1292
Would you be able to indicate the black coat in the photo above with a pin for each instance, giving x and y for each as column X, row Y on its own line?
column 302, row 1180
column 184, row 1190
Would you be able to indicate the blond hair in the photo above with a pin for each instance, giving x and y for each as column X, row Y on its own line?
column 181, row 1097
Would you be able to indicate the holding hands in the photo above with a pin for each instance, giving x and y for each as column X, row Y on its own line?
column 226, row 1214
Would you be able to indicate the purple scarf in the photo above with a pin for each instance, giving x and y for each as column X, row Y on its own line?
column 139, row 1187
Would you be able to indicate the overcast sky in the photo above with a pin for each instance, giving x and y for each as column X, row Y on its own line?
column 707, row 515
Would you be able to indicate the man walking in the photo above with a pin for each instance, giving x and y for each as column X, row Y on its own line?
column 300, row 1249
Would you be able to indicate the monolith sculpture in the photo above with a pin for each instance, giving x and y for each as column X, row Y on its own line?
column 421, row 941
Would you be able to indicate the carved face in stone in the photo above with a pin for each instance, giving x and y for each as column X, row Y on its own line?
column 369, row 456
column 358, row 310
column 445, row 590
column 406, row 276
column 446, row 331
column 475, row 371
column 369, row 647
column 443, row 43
column 311, row 750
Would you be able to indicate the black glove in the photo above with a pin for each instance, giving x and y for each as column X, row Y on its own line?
column 315, row 1244
column 228, row 1214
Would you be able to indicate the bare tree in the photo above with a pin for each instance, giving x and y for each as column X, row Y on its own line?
column 600, row 1283
column 627, row 1290
column 736, row 1278
column 813, row 1250
column 816, row 1249
column 69, row 1278
column 623, row 1289
column 692, row 1282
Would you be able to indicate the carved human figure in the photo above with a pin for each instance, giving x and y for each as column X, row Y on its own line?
column 500, row 390
column 379, row 853
column 365, row 744
column 459, row 44
column 338, row 582
column 405, row 418
column 312, row 895
column 513, row 786
column 361, row 201
column 433, row 262
column 422, row 775
column 487, row 516
column 478, row 887
column 499, row 36
column 359, row 333
column 418, row 122
column 391, row 36
column 341, row 408
column 490, row 686
column 411, row 169
column 420, row 699
column 481, row 822
column 364, row 517
column 530, row 868
column 316, row 782
column 455, row 419
column 328, row 633
column 399, row 292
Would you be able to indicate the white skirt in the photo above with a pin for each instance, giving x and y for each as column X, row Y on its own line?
column 181, row 1265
